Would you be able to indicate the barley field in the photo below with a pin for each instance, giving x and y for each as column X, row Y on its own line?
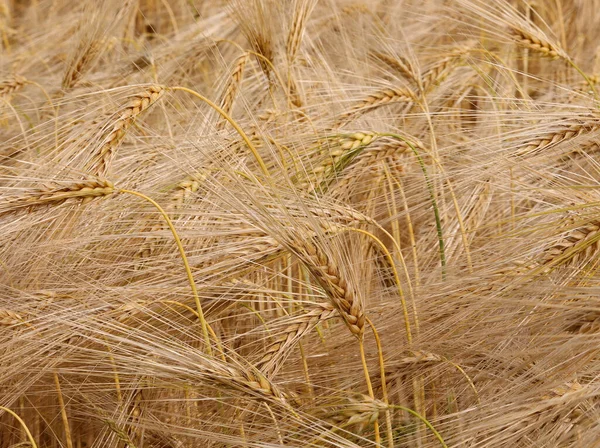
column 299, row 223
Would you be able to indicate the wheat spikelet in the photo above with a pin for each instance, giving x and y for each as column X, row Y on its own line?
column 398, row 63
column 82, row 191
column 233, row 86
column 284, row 341
column 375, row 100
column 187, row 187
column 441, row 69
column 344, row 150
column 536, row 41
column 247, row 380
column 10, row 318
column 82, row 61
column 385, row 149
column 581, row 244
column 361, row 411
column 327, row 273
column 550, row 139
column 294, row 38
column 116, row 129
column 11, row 85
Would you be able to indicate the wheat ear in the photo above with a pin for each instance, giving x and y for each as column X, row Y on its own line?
column 398, row 63
column 579, row 244
column 294, row 39
column 538, row 42
column 187, row 187
column 361, row 411
column 287, row 339
column 11, row 85
column 81, row 191
column 117, row 129
column 345, row 148
column 553, row 138
column 327, row 273
column 441, row 69
column 375, row 100
column 10, row 318
column 248, row 380
column 233, row 86
column 82, row 60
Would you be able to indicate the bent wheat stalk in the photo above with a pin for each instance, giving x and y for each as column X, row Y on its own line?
column 23, row 425
column 188, row 271
column 227, row 117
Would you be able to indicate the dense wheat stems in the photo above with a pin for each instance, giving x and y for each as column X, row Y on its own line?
column 186, row 264
column 424, row 420
column 438, row 221
column 236, row 126
column 63, row 412
column 427, row 169
column 23, row 425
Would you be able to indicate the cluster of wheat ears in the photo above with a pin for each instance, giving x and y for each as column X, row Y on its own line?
column 304, row 223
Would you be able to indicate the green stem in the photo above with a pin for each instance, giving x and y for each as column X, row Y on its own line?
column 438, row 221
column 424, row 420
column 587, row 79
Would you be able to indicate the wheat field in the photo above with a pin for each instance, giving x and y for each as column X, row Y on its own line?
column 300, row 223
